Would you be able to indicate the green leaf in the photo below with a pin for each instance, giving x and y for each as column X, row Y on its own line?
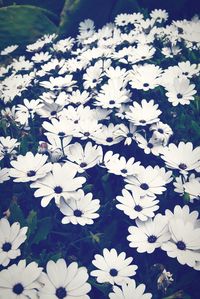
column 16, row 214
column 196, row 128
column 23, row 24
column 44, row 227
column 75, row 11
column 32, row 222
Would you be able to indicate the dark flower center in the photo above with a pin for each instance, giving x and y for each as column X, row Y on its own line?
column 138, row 208
column 181, row 245
column 58, row 189
column 152, row 239
column 142, row 121
column 83, row 164
column 53, row 113
column 160, row 131
column 77, row 213
column 113, row 272
column 109, row 139
column 61, row 134
column 18, row 289
column 111, row 102
column 124, row 170
column 182, row 166
column 150, row 145
column 143, row 57
column 6, row 246
column 179, row 96
column 86, row 134
column 76, row 121
column 31, row 173
column 129, row 135
column 144, row 186
column 61, row 293
column 146, row 84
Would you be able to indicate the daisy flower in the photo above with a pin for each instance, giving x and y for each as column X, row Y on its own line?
column 184, row 243
column 180, row 92
column 149, row 181
column 107, row 135
column 145, row 76
column 113, row 268
column 149, row 235
column 62, row 281
column 60, row 182
column 20, row 281
column 137, row 207
column 127, row 132
column 191, row 186
column 84, row 158
column 130, row 291
column 7, row 146
column 184, row 214
column 144, row 114
column 153, row 145
column 4, row 174
column 66, row 82
column 11, row 237
column 29, row 167
column 8, row 50
column 79, row 209
column 159, row 15
column 41, row 57
column 182, row 157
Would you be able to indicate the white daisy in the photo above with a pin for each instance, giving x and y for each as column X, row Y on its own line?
column 29, row 167
column 107, row 135
column 64, row 281
column 66, row 82
column 9, row 50
column 182, row 157
column 79, row 209
column 149, row 235
column 184, row 214
column 113, row 268
column 191, row 186
column 60, row 182
column 11, row 237
column 20, row 281
column 130, row 291
column 4, row 174
column 146, row 113
column 7, row 146
column 137, row 207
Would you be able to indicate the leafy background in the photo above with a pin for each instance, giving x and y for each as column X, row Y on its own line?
column 23, row 21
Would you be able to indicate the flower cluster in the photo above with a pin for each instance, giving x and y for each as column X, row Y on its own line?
column 86, row 119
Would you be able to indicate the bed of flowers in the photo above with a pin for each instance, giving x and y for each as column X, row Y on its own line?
column 100, row 162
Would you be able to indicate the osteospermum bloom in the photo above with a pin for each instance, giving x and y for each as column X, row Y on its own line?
column 7, row 146
column 182, row 157
column 29, row 167
column 11, row 237
column 60, row 182
column 149, row 181
column 64, row 281
column 146, row 113
column 184, row 214
column 20, row 281
column 191, row 186
column 184, row 243
column 86, row 157
column 137, row 207
column 113, row 268
column 130, row 291
column 79, row 209
column 4, row 175
column 149, row 235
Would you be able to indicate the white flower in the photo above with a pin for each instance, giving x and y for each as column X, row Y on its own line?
column 85, row 158
column 80, row 209
column 184, row 243
column 182, row 157
column 137, row 207
column 62, row 128
column 107, row 135
column 4, row 175
column 7, row 146
column 161, row 132
column 29, row 167
column 93, row 76
column 20, row 281
column 9, row 50
column 11, row 237
column 41, row 57
column 130, row 291
column 184, row 214
column 64, row 281
column 21, row 64
column 149, row 181
column 28, row 110
column 191, row 186
column 119, row 165
column 180, row 92
column 146, row 113
column 149, row 235
column 159, row 15
column 113, row 268
column 153, row 145
column 66, row 82
column 145, row 76
column 60, row 182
